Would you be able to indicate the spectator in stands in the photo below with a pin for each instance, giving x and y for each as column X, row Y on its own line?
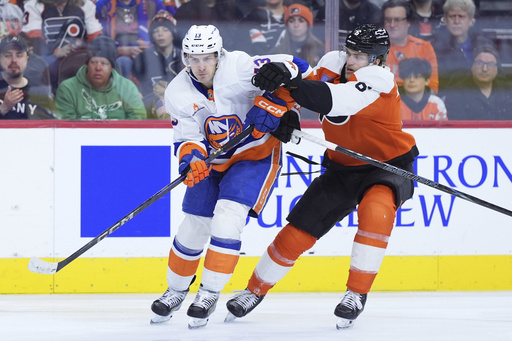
column 454, row 43
column 57, row 27
column 224, row 15
column 481, row 96
column 397, row 16
column 154, row 68
column 98, row 91
column 261, row 28
column 127, row 22
column 11, row 18
column 419, row 102
column 427, row 18
column 355, row 12
column 57, row 30
column 19, row 98
column 298, row 38
column 37, row 69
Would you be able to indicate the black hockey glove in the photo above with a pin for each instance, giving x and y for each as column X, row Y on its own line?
column 272, row 75
column 289, row 122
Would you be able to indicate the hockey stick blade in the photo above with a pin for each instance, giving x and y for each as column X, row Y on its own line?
column 40, row 266
column 401, row 172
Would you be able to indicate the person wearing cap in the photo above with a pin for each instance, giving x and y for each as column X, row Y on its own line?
column 20, row 98
column 482, row 95
column 298, row 38
column 154, row 68
column 98, row 91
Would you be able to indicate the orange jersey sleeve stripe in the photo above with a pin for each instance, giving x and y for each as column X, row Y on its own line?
column 35, row 34
column 93, row 35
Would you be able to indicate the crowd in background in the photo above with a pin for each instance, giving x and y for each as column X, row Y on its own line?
column 452, row 59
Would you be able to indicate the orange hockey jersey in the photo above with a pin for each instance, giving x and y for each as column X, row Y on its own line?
column 415, row 48
column 430, row 107
column 365, row 115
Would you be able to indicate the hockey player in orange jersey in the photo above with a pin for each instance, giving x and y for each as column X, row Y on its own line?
column 362, row 113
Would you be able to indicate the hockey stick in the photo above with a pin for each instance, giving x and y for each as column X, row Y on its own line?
column 400, row 172
column 40, row 266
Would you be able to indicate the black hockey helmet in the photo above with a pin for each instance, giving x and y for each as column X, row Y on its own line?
column 371, row 40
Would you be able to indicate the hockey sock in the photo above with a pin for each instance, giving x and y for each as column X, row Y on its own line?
column 279, row 258
column 219, row 263
column 223, row 252
column 183, row 263
column 376, row 215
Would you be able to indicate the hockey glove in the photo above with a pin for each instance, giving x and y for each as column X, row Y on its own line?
column 192, row 164
column 272, row 75
column 289, row 122
column 265, row 114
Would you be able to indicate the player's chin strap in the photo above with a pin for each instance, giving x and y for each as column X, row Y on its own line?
column 400, row 172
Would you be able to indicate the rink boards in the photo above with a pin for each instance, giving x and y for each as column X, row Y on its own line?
column 63, row 183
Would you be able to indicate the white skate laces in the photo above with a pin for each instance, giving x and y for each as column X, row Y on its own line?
column 352, row 300
column 242, row 304
column 167, row 304
column 205, row 299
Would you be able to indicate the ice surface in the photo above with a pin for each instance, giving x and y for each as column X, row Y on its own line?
column 393, row 316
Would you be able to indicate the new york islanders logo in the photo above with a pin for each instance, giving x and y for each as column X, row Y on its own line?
column 220, row 130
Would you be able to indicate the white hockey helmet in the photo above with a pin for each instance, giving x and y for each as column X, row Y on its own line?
column 201, row 40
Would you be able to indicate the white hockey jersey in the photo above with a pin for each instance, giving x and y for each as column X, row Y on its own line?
column 210, row 118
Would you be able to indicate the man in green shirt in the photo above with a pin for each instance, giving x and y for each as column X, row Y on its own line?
column 98, row 91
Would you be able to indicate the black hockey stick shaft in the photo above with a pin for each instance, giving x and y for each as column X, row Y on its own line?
column 401, row 172
column 39, row 266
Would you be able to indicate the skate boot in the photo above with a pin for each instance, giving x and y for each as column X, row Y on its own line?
column 203, row 306
column 350, row 307
column 165, row 306
column 242, row 304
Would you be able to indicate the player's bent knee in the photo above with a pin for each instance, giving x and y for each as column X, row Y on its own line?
column 291, row 242
column 377, row 211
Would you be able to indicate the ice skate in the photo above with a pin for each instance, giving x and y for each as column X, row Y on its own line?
column 165, row 306
column 203, row 306
column 350, row 307
column 242, row 304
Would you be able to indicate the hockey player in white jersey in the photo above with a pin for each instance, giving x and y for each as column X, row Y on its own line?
column 210, row 102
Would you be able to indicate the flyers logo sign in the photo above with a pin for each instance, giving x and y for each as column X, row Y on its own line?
column 219, row 130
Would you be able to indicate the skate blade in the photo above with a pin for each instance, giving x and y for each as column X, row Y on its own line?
column 230, row 318
column 157, row 319
column 344, row 323
column 195, row 322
